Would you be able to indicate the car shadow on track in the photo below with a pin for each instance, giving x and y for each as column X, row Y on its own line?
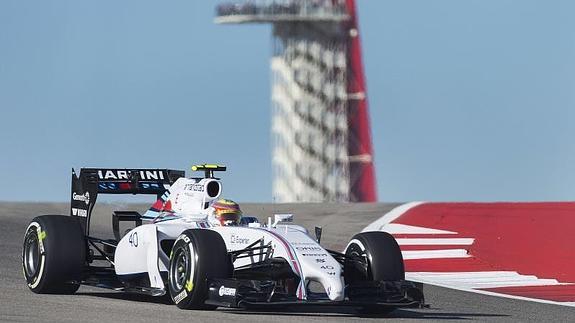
column 439, row 315
column 325, row 311
column 309, row 311
column 130, row 297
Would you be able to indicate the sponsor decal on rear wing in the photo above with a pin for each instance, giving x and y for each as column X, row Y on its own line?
column 135, row 181
column 94, row 181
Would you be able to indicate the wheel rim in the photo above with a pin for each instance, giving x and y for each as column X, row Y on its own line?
column 359, row 264
column 32, row 254
column 179, row 269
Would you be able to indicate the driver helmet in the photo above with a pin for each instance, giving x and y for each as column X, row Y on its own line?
column 225, row 212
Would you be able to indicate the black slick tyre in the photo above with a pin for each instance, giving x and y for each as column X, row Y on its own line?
column 197, row 255
column 54, row 254
column 373, row 256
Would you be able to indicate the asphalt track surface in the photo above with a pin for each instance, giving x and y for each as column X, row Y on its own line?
column 339, row 222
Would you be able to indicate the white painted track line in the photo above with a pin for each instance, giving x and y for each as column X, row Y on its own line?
column 434, row 254
column 435, row 241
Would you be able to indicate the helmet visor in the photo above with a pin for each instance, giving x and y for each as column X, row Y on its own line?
column 229, row 216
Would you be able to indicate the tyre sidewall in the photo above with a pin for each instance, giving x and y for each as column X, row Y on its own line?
column 35, row 281
column 208, row 258
column 62, row 254
column 183, row 296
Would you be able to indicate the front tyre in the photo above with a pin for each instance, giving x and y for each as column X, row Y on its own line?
column 373, row 256
column 377, row 257
column 54, row 254
column 197, row 255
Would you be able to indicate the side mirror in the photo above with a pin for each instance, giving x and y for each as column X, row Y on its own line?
column 318, row 234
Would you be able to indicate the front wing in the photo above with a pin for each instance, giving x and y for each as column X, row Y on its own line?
column 243, row 293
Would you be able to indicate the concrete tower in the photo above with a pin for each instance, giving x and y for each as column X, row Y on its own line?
column 322, row 147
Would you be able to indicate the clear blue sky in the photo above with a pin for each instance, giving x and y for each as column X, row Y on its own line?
column 469, row 100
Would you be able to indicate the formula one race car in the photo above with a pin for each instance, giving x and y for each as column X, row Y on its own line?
column 201, row 265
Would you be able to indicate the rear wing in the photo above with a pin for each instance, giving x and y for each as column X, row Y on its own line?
column 94, row 181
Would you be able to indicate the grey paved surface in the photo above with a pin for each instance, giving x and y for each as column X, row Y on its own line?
column 18, row 304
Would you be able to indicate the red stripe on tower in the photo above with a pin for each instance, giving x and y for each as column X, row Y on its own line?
column 360, row 151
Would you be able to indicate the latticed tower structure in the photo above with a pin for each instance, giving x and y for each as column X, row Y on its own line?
column 322, row 147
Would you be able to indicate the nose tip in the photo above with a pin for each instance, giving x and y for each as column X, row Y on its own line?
column 336, row 295
column 335, row 292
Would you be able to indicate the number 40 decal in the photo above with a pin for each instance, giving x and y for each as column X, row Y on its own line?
column 133, row 239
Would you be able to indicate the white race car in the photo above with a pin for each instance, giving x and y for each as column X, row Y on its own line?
column 201, row 266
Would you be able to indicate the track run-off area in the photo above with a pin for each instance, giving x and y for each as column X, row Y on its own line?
column 339, row 221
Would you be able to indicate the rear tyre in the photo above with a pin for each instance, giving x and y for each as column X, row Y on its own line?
column 54, row 254
column 197, row 255
column 373, row 256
